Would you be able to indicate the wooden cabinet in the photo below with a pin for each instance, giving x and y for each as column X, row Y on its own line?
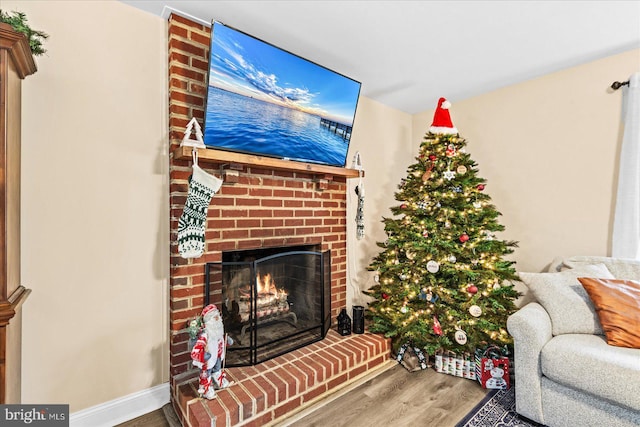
column 16, row 63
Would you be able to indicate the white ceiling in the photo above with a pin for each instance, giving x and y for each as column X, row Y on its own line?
column 409, row 53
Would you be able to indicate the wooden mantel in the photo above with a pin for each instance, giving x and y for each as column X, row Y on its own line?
column 221, row 156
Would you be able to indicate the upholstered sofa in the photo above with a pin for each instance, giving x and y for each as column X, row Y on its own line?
column 565, row 372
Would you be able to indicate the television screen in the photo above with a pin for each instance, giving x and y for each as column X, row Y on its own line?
column 267, row 101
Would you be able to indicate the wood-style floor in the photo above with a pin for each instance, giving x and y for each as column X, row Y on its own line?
column 395, row 397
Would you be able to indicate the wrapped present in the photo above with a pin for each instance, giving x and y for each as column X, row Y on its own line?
column 412, row 358
column 492, row 368
column 458, row 365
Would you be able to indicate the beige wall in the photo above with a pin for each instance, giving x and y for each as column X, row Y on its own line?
column 94, row 204
column 382, row 135
column 548, row 148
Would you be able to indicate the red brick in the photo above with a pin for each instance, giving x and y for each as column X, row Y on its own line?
column 269, row 390
column 287, row 407
column 314, row 393
column 279, row 384
column 232, row 408
column 258, row 395
column 198, row 415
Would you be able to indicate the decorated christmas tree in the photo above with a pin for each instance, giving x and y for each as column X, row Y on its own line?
column 442, row 282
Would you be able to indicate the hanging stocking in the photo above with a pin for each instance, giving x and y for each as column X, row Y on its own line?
column 191, row 226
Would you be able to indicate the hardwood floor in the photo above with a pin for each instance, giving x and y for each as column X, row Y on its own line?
column 394, row 397
column 399, row 398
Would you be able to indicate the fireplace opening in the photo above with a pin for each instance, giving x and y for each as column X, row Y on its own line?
column 272, row 300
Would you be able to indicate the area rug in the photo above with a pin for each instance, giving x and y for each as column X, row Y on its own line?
column 497, row 409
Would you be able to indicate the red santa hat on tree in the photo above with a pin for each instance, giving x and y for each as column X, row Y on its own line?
column 442, row 120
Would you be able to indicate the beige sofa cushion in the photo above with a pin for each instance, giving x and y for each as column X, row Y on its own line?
column 563, row 297
column 587, row 363
column 628, row 269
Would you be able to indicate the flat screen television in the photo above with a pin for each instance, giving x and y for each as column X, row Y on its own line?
column 267, row 101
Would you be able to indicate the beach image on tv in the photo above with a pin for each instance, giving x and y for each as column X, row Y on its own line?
column 264, row 100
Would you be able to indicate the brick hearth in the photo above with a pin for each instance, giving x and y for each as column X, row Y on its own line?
column 272, row 390
column 262, row 208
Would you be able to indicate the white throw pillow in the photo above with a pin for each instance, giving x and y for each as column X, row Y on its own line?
column 566, row 301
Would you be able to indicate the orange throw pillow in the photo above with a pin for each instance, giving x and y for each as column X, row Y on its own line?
column 617, row 304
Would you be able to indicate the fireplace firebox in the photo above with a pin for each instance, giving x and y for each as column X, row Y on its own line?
column 272, row 300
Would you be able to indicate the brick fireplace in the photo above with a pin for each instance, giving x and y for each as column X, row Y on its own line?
column 258, row 206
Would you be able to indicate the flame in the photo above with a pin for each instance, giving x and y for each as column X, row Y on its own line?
column 266, row 285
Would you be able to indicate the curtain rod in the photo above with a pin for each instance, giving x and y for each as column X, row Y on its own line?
column 618, row 85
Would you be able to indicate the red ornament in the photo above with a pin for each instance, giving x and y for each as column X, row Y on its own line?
column 437, row 329
column 480, row 187
column 433, row 157
column 403, row 206
column 464, row 237
column 385, row 296
column 472, row 289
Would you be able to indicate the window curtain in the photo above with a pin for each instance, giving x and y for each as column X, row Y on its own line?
column 626, row 223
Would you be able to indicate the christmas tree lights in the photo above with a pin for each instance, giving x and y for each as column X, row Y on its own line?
column 442, row 282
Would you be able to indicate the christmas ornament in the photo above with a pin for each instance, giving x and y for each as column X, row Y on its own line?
column 404, row 309
column 433, row 157
column 472, row 289
column 488, row 235
column 449, row 175
column 475, row 311
column 464, row 237
column 410, row 255
column 376, row 278
column 192, row 222
column 425, row 233
column 403, row 206
column 437, row 329
column 432, row 298
column 427, row 173
column 447, row 224
column 457, row 189
column 385, row 296
column 187, row 141
column 460, row 337
column 452, row 259
column 462, row 169
column 496, row 286
column 423, row 294
column 433, row 266
column 442, row 119
column 422, row 204
column 402, row 276
column 480, row 187
column 477, row 205
column 450, row 151
column 438, row 205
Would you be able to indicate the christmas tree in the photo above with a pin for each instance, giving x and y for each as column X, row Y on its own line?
column 442, row 282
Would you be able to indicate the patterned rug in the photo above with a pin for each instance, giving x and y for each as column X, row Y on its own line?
column 497, row 409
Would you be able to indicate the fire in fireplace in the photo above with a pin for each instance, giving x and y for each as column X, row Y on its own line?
column 273, row 300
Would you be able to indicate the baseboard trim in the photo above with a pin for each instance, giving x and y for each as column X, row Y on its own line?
column 123, row 408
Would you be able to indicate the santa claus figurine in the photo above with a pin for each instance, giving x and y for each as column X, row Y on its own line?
column 209, row 352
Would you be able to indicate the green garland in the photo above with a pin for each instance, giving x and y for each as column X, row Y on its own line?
column 18, row 21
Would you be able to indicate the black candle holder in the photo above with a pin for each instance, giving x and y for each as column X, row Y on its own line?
column 344, row 323
column 358, row 319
